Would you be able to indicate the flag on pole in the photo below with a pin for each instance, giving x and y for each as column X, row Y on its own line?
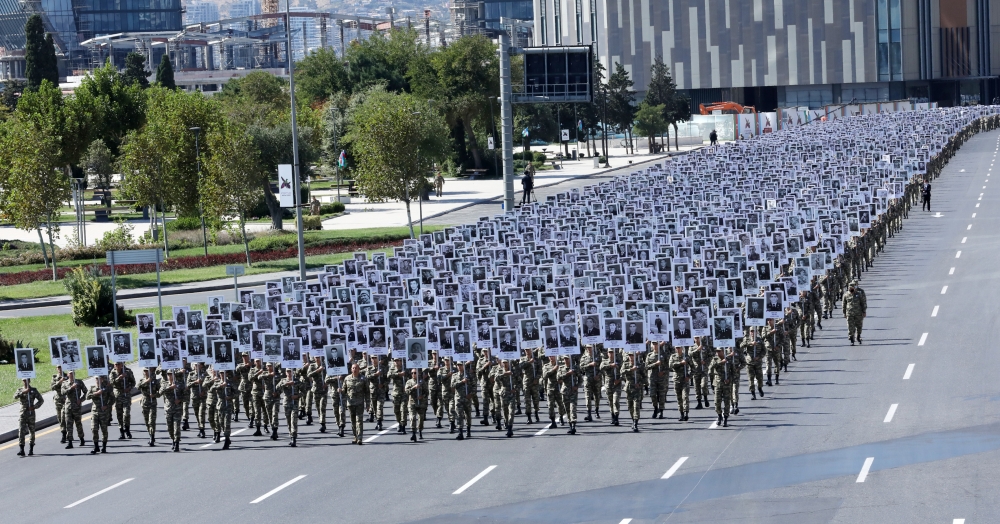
column 342, row 160
column 579, row 125
column 525, row 132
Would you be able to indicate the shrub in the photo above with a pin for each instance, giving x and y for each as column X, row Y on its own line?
column 119, row 238
column 312, row 223
column 270, row 242
column 7, row 350
column 538, row 156
column 329, row 209
column 90, row 295
column 602, row 160
column 184, row 224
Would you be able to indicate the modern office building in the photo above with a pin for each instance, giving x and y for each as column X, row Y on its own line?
column 197, row 12
column 783, row 53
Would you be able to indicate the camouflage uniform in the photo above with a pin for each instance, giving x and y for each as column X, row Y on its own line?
column 701, row 359
column 590, row 367
column 504, row 381
column 657, row 360
column 356, row 391
column 400, row 407
column 434, row 399
column 792, row 322
column 484, row 368
column 635, row 381
column 212, row 404
column 198, row 394
column 416, row 392
column 569, row 381
column 60, row 401
column 855, row 307
column 550, row 378
column 723, row 368
column 530, row 386
column 269, row 379
column 464, row 389
column 227, row 400
column 260, row 415
column 447, row 394
column 245, row 387
column 173, row 406
column 30, row 400
column 305, row 402
column 378, row 386
column 754, row 353
column 123, row 383
column 292, row 389
column 149, row 388
column 317, row 375
column 612, row 386
column 681, row 366
column 774, row 338
column 101, row 397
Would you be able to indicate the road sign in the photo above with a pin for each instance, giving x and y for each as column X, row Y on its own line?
column 235, row 270
column 565, row 135
column 134, row 256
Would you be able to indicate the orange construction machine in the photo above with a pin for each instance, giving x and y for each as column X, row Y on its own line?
column 726, row 106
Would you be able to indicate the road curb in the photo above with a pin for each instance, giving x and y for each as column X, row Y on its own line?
column 44, row 423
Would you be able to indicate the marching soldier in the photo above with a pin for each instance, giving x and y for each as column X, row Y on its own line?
column 590, row 369
column 773, row 340
column 855, row 310
column 198, row 392
column 317, row 374
column 378, row 386
column 484, row 368
column 416, row 391
column 60, row 401
column 737, row 364
column 569, row 380
column 30, row 400
column 504, row 380
column 356, row 390
column 635, row 378
column 305, row 404
column 256, row 378
column 722, row 368
column 792, row 321
column 245, row 388
column 270, row 379
column 174, row 392
column 550, row 376
column 123, row 380
column 434, row 389
column 400, row 405
column 754, row 353
column 462, row 382
column 102, row 399
column 212, row 402
column 530, row 386
column 227, row 398
column 447, row 393
column 701, row 359
column 335, row 385
column 681, row 366
column 612, row 384
column 149, row 388
column 291, row 389
column 657, row 360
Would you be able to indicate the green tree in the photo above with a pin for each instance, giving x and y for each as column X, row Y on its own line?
column 320, row 76
column 383, row 59
column 680, row 111
column 649, row 122
column 621, row 97
column 661, row 92
column 135, row 70
column 165, row 73
column 36, row 54
column 258, row 98
column 12, row 90
column 98, row 162
column 51, row 61
column 32, row 185
column 234, row 181
column 395, row 138
column 116, row 106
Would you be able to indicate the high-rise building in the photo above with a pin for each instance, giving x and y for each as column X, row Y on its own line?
column 198, row 12
column 783, row 53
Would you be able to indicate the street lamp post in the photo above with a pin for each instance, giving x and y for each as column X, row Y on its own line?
column 295, row 144
column 201, row 211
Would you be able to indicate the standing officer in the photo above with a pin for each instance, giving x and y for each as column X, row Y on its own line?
column 550, row 377
column 149, row 388
column 102, row 399
column 855, row 310
column 416, row 391
column 569, row 380
column 356, row 390
column 590, row 363
column 464, row 388
column 656, row 366
column 612, row 384
column 529, row 379
column 60, row 401
column 681, row 367
column 317, row 374
column 397, row 377
column 174, row 393
column 635, row 378
column 754, row 353
column 701, row 359
column 123, row 380
column 30, row 400
column 723, row 386
column 291, row 387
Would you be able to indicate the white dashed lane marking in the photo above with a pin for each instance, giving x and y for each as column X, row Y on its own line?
column 864, row 469
column 475, row 479
column 923, row 338
column 935, row 312
column 892, row 411
column 909, row 371
column 673, row 469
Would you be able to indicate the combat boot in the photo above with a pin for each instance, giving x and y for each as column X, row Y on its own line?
column 236, row 416
column 635, row 426
column 420, row 434
column 451, row 430
column 258, row 433
column 341, row 432
column 597, row 409
column 725, row 422
column 128, row 432
column 302, row 414
column 251, row 424
column 292, row 444
column 518, row 411
column 468, row 431
column 859, row 339
column 572, row 428
column 21, row 452
column 438, row 425
column 217, row 437
column 274, row 433
column 82, row 442
column 104, row 447
column 151, row 442
column 96, row 450
column 226, row 444
column 561, row 423
column 681, row 417
column 769, row 382
column 309, row 419
column 121, row 434
column 413, row 437
column 201, row 432
column 761, row 391
column 499, row 425
column 753, row 395
column 615, row 420
column 529, row 417
column 553, row 425
column 322, row 428
column 378, row 424
column 185, row 426
column 698, row 406
column 460, row 435
column 31, row 450
column 510, row 432
column 719, row 422
column 371, row 417
column 63, row 441
column 70, row 445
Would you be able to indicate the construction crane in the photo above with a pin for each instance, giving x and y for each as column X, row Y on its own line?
column 726, row 106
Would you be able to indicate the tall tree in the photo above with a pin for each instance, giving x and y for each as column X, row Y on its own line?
column 165, row 73
column 396, row 139
column 621, row 97
column 135, row 70
column 51, row 72
column 661, row 91
column 680, row 111
column 649, row 122
column 233, row 182
column 98, row 162
column 116, row 106
column 320, row 76
column 35, row 52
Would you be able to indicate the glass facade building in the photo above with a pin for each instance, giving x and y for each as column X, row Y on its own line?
column 104, row 17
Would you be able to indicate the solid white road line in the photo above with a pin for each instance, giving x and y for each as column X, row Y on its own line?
column 541, row 431
column 103, row 491
column 944, row 290
column 474, row 480
column 277, row 489
column 232, row 434
column 625, row 521
column 934, row 313
column 958, row 254
column 923, row 338
column 964, row 239
column 380, row 433
column 864, row 469
column 909, row 371
column 673, row 469
column 951, row 271
column 892, row 411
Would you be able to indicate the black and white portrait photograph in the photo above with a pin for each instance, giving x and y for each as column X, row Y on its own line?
column 54, row 353
column 773, row 305
column 531, row 336
column 614, row 335
column 658, row 326
column 196, row 347
column 225, row 355
column 147, row 351
column 24, row 359
column 291, row 352
column 336, row 362
column 272, row 347
column 507, row 344
column 416, row 353
column 121, row 347
column 97, row 360
column 755, row 311
column 461, row 346
column 70, row 353
column 145, row 322
column 682, row 335
column 722, row 331
column 591, row 332
column 635, row 336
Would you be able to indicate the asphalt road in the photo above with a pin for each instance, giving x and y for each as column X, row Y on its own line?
column 917, row 403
